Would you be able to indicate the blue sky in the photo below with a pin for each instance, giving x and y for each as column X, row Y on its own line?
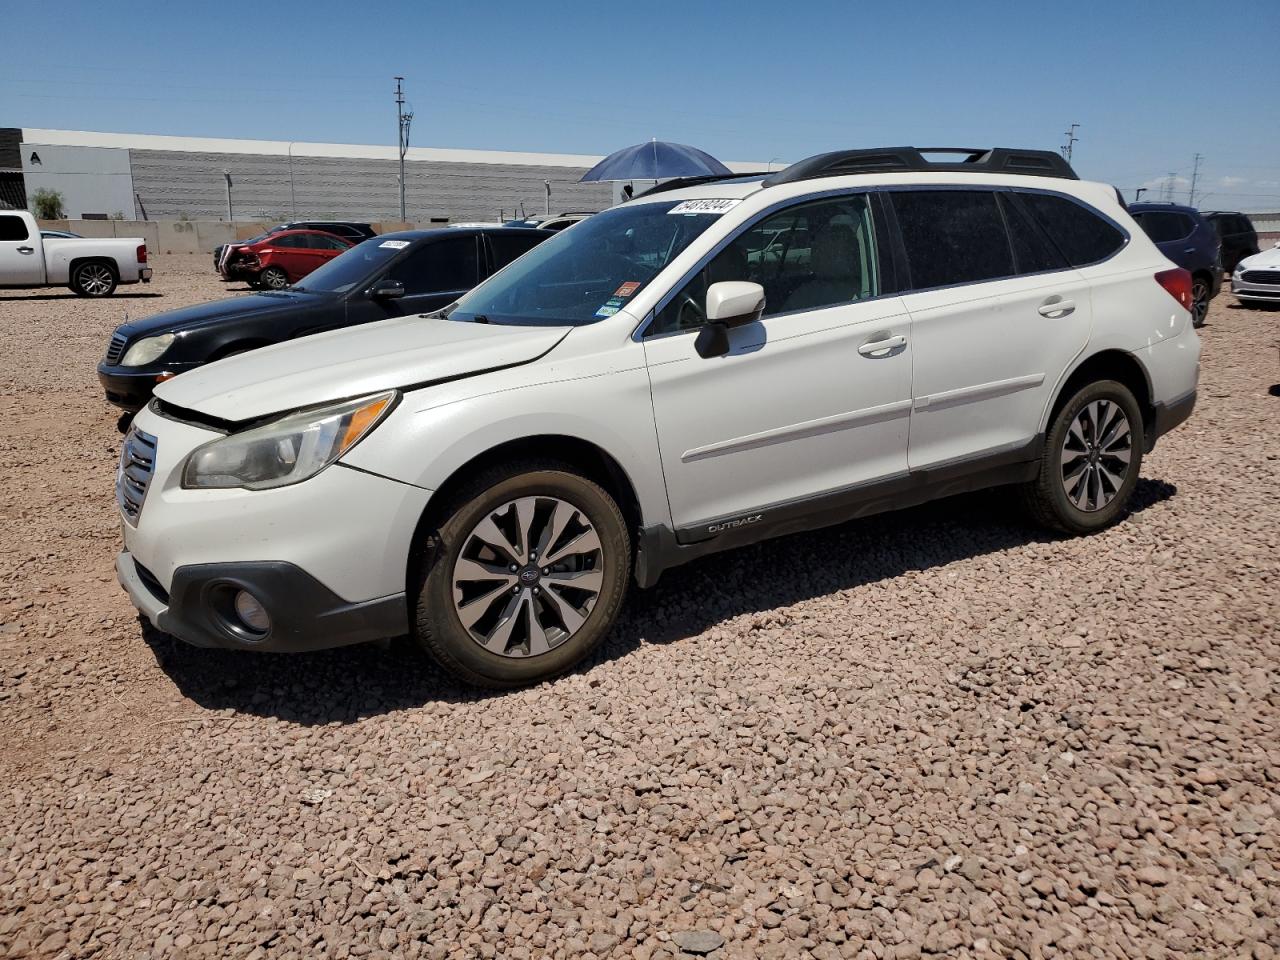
column 1151, row 84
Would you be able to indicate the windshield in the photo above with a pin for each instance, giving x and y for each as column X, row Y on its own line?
column 588, row 273
column 346, row 270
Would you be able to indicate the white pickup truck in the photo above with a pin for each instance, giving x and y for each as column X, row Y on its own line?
column 90, row 266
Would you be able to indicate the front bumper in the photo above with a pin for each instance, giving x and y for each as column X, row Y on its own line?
column 1246, row 290
column 130, row 387
column 199, row 608
column 327, row 557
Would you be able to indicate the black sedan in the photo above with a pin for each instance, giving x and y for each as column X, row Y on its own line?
column 388, row 276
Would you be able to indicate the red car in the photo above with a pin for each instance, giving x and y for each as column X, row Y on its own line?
column 275, row 261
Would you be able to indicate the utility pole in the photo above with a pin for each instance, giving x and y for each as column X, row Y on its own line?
column 403, row 119
column 1167, row 192
column 1072, row 140
column 1195, row 175
column 226, row 175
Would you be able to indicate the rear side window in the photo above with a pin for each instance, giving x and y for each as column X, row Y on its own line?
column 1164, row 227
column 293, row 241
column 1083, row 236
column 13, row 228
column 1032, row 251
column 441, row 266
column 507, row 247
column 953, row 236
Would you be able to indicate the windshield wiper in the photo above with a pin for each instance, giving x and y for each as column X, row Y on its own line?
column 479, row 318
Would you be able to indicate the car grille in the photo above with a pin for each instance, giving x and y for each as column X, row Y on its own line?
column 116, row 347
column 1261, row 276
column 137, row 463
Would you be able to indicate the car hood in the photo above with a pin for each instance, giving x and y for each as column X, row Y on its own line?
column 216, row 310
column 397, row 353
column 1267, row 258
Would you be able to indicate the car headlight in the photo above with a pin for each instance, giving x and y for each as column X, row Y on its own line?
column 285, row 451
column 147, row 350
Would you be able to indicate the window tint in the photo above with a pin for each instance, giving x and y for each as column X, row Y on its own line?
column 1164, row 227
column 1032, row 252
column 293, row 241
column 318, row 241
column 506, row 247
column 807, row 257
column 953, row 236
column 1082, row 235
column 13, row 228
column 439, row 267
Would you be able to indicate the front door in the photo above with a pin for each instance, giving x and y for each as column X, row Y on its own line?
column 811, row 401
column 21, row 255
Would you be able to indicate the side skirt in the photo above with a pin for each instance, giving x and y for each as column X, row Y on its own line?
column 661, row 548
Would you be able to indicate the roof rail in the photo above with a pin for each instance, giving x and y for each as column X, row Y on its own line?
column 1035, row 163
column 680, row 182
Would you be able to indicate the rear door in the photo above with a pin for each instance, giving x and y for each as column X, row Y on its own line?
column 21, row 255
column 509, row 245
column 436, row 273
column 993, row 327
column 323, row 247
column 288, row 251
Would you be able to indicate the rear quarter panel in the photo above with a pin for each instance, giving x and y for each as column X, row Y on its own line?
column 61, row 254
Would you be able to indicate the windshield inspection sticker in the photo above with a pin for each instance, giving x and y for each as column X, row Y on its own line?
column 704, row 206
column 394, row 244
column 627, row 289
column 607, row 311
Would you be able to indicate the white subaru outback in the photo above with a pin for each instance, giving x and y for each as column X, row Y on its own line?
column 706, row 365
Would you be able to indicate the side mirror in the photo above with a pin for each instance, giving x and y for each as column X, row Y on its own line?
column 386, row 290
column 734, row 302
column 730, row 303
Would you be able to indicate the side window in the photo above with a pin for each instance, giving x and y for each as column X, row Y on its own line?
column 293, row 241
column 13, row 228
column 1032, row 252
column 509, row 246
column 1082, row 235
column 953, row 236
column 1164, row 227
column 806, row 257
column 439, row 266
column 320, row 242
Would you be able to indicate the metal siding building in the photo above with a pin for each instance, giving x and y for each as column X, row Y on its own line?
column 183, row 177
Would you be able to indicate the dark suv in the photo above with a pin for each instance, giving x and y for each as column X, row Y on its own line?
column 348, row 230
column 1239, row 238
column 1185, row 237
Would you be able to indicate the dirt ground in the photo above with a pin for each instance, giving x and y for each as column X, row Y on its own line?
column 935, row 732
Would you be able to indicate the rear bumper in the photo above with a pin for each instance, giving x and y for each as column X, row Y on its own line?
column 1170, row 415
column 199, row 607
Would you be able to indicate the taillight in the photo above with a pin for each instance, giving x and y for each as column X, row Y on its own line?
column 142, row 253
column 1177, row 283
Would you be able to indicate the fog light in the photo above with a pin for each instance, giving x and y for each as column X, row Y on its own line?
column 251, row 612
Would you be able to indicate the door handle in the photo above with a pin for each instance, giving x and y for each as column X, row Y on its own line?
column 880, row 348
column 1056, row 307
column 26, row 250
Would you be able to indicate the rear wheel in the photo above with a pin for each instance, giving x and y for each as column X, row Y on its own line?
column 1199, row 300
column 524, row 578
column 1091, row 460
column 93, row 279
column 273, row 278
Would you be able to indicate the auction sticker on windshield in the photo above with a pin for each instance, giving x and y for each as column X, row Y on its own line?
column 394, row 244
column 705, row 206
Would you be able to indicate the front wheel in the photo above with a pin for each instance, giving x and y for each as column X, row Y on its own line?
column 93, row 280
column 273, row 278
column 1091, row 460
column 525, row 576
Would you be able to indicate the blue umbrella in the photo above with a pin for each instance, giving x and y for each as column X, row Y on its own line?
column 656, row 160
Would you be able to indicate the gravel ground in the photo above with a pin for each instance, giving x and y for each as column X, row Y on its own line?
column 935, row 732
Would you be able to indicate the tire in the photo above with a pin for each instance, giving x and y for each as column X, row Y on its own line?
column 273, row 278
column 528, row 625
column 1094, row 501
column 94, row 279
column 1200, row 297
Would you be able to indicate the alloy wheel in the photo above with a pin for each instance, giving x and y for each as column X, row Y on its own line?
column 95, row 279
column 1096, row 455
column 1199, row 302
column 527, row 576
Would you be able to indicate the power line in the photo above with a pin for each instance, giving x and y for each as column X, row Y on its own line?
column 1072, row 140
